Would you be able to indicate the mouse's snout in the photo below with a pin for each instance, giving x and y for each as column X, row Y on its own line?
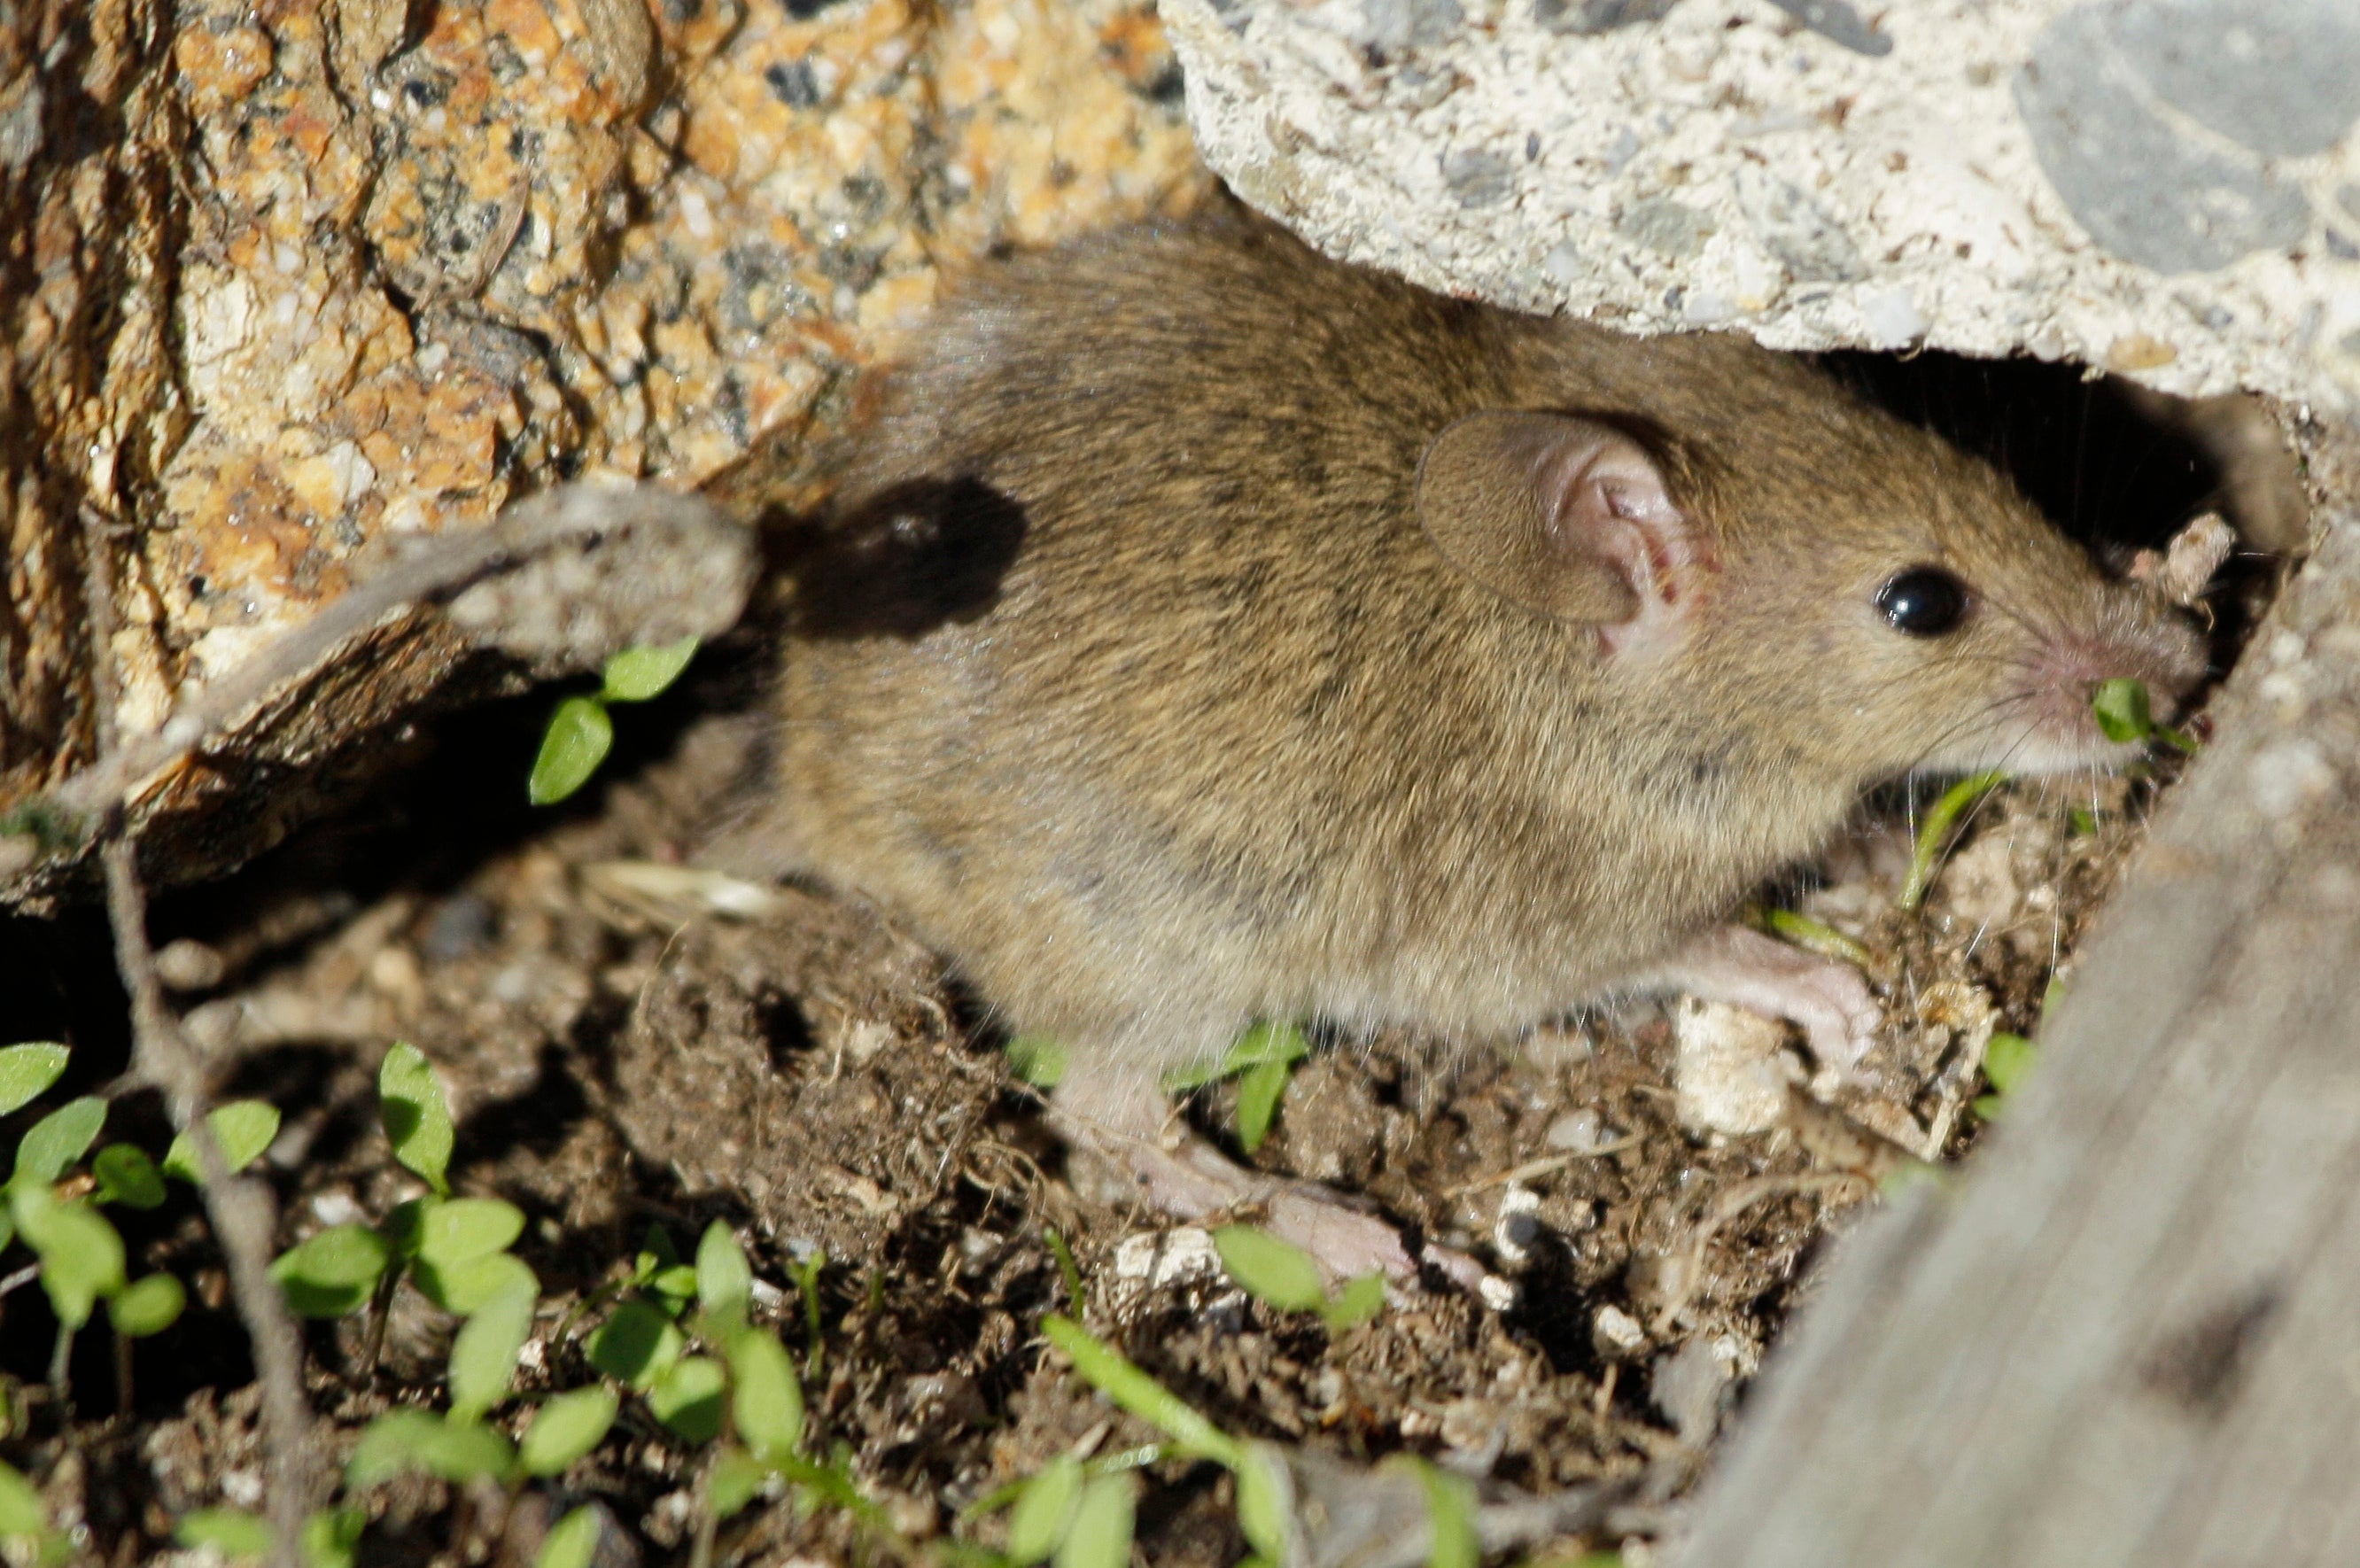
column 2134, row 636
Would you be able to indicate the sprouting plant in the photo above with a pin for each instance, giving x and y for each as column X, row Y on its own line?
column 1812, row 936
column 54, row 1209
column 1261, row 1060
column 1279, row 1274
column 581, row 732
column 1935, row 831
column 2126, row 713
column 2007, row 1059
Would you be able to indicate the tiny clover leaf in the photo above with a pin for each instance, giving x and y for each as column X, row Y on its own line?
column 59, row 1138
column 2006, row 1060
column 2122, row 710
column 688, row 1397
column 577, row 740
column 242, row 1129
column 637, row 674
column 333, row 1272
column 233, row 1532
column 1044, row 1512
column 768, row 1401
column 1357, row 1303
column 147, row 1306
column 417, row 1117
column 1274, row 1272
column 410, row 1438
column 332, row 1537
column 566, row 1428
column 572, row 1541
column 1106, row 1370
column 27, row 1070
column 736, row 1480
column 2126, row 713
column 724, row 1284
column 1099, row 1535
column 636, row 1345
column 21, row 1514
column 1450, row 1508
column 126, row 1176
column 1037, row 1059
column 484, row 1356
column 82, row 1255
column 464, row 1229
column 1266, row 1503
column 467, row 1287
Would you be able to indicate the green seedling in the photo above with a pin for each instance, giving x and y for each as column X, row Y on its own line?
column 2008, row 1060
column 1812, row 936
column 2125, row 713
column 804, row 1275
column 1099, row 1534
column 1261, row 1060
column 1279, row 1274
column 242, row 1129
column 417, row 1117
column 566, row 1428
column 581, row 732
column 1106, row 1370
column 1038, row 1060
column 1936, row 831
column 1067, row 1270
column 27, row 1071
column 1450, row 1506
column 572, row 1543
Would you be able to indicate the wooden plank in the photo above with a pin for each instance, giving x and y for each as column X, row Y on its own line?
column 2131, row 1333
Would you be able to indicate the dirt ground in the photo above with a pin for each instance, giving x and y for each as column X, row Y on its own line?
column 812, row 1077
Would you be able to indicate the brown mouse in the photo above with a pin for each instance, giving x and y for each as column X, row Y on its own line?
column 1214, row 632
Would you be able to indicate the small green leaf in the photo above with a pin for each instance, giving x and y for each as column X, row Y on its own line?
column 333, row 1273
column 768, row 1401
column 58, row 1139
column 2081, row 821
column 658, row 1252
column 572, row 1541
column 1044, row 1511
column 2122, row 710
column 233, row 1532
column 1106, row 1370
column 242, row 1129
column 676, row 1285
column 1099, row 1535
column 1258, row 1096
column 2006, row 1060
column 578, row 738
column 484, row 1356
column 416, row 1115
column 1450, row 1503
column 405, row 1227
column 1260, row 1046
column 1274, row 1272
column 332, row 1537
column 1265, row 1511
column 738, row 1478
column 635, row 1344
column 21, row 1514
column 464, row 1229
column 687, row 1397
column 25, row 1070
column 147, row 1306
column 567, row 1427
column 1815, row 936
column 411, row 1439
column 126, row 1176
column 82, row 1255
column 724, row 1284
column 1037, row 1059
column 637, row 674
column 1357, row 1303
column 467, row 1287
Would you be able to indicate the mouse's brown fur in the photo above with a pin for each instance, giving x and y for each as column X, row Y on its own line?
column 1228, row 739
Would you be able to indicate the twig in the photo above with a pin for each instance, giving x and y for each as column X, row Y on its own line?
column 240, row 1210
column 453, row 563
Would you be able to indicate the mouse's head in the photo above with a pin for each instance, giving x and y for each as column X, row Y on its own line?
column 1878, row 601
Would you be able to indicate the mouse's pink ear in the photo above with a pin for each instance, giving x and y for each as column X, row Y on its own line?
column 1564, row 515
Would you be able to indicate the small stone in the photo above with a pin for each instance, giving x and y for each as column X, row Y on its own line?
column 1732, row 1071
column 1616, row 1335
column 1164, row 1260
column 1665, row 225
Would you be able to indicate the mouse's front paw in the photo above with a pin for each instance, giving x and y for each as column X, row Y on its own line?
column 1830, row 1000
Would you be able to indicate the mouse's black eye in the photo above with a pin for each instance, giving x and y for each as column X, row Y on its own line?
column 1923, row 600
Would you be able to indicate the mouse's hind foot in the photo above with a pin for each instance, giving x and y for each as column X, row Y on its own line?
column 1178, row 1173
column 1830, row 1000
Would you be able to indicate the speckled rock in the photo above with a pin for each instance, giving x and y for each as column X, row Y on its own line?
column 289, row 281
column 2168, row 189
